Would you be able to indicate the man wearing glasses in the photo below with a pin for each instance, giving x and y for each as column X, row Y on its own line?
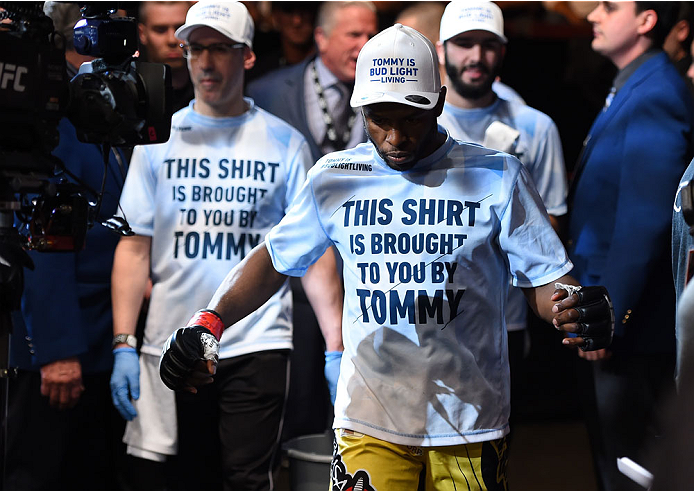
column 198, row 204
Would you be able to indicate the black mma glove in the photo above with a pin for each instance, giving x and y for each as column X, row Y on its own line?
column 595, row 316
column 188, row 346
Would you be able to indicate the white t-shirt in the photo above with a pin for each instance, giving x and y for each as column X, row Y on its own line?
column 427, row 256
column 533, row 138
column 207, row 197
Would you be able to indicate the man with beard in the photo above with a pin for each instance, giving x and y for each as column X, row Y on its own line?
column 472, row 46
column 429, row 229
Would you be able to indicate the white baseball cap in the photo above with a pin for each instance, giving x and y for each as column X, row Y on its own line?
column 397, row 65
column 463, row 16
column 229, row 18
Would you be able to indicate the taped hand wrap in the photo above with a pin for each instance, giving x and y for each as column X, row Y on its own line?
column 187, row 346
column 595, row 315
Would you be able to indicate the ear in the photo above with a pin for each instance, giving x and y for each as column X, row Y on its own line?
column 682, row 30
column 646, row 22
column 441, row 52
column 248, row 58
column 141, row 33
column 321, row 39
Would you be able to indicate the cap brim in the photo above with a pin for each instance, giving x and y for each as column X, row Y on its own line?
column 185, row 30
column 422, row 100
column 501, row 37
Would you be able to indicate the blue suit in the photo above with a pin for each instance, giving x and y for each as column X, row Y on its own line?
column 621, row 202
column 619, row 237
column 281, row 92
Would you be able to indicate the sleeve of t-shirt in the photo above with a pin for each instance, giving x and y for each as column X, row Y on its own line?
column 296, row 173
column 137, row 200
column 535, row 254
column 299, row 239
column 549, row 172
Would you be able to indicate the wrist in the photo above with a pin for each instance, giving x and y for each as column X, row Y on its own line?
column 209, row 319
column 124, row 348
column 123, row 340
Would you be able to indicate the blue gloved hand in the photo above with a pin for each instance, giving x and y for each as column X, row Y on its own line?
column 332, row 371
column 125, row 381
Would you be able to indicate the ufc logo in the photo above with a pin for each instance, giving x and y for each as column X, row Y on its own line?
column 12, row 73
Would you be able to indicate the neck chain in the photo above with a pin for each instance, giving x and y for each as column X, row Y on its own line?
column 337, row 141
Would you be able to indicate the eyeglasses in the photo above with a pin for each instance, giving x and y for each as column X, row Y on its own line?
column 193, row 51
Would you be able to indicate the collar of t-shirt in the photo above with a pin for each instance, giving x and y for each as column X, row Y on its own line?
column 626, row 72
column 472, row 113
column 223, row 122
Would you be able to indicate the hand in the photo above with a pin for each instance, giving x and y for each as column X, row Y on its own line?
column 588, row 313
column 61, row 382
column 190, row 355
column 125, row 381
column 332, row 371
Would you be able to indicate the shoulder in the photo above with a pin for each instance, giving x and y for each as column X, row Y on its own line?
column 357, row 160
column 276, row 129
column 466, row 154
column 276, row 126
column 659, row 78
column 528, row 117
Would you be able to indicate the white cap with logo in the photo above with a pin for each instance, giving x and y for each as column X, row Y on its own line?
column 229, row 18
column 463, row 16
column 397, row 65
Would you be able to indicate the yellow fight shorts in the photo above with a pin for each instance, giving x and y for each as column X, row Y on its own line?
column 364, row 463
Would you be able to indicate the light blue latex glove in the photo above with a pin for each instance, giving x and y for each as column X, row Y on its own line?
column 332, row 371
column 125, row 381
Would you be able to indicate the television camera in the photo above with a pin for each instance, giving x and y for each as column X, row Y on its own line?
column 114, row 100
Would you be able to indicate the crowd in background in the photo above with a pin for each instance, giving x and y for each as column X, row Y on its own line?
column 547, row 67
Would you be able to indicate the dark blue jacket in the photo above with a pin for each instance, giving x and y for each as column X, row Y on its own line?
column 66, row 305
column 621, row 202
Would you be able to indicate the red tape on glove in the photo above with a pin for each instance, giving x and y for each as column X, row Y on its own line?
column 208, row 319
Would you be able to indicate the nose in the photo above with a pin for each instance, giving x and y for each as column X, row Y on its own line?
column 395, row 137
column 475, row 53
column 593, row 15
column 171, row 38
column 205, row 60
column 296, row 19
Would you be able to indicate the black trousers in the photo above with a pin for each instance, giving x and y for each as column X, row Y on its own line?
column 49, row 449
column 229, row 431
column 627, row 417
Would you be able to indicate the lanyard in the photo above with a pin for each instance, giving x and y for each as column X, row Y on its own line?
column 330, row 131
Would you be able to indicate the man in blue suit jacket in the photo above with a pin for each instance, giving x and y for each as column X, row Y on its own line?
column 619, row 227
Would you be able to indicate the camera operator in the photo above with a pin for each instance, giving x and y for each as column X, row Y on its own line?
column 63, row 432
column 158, row 22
